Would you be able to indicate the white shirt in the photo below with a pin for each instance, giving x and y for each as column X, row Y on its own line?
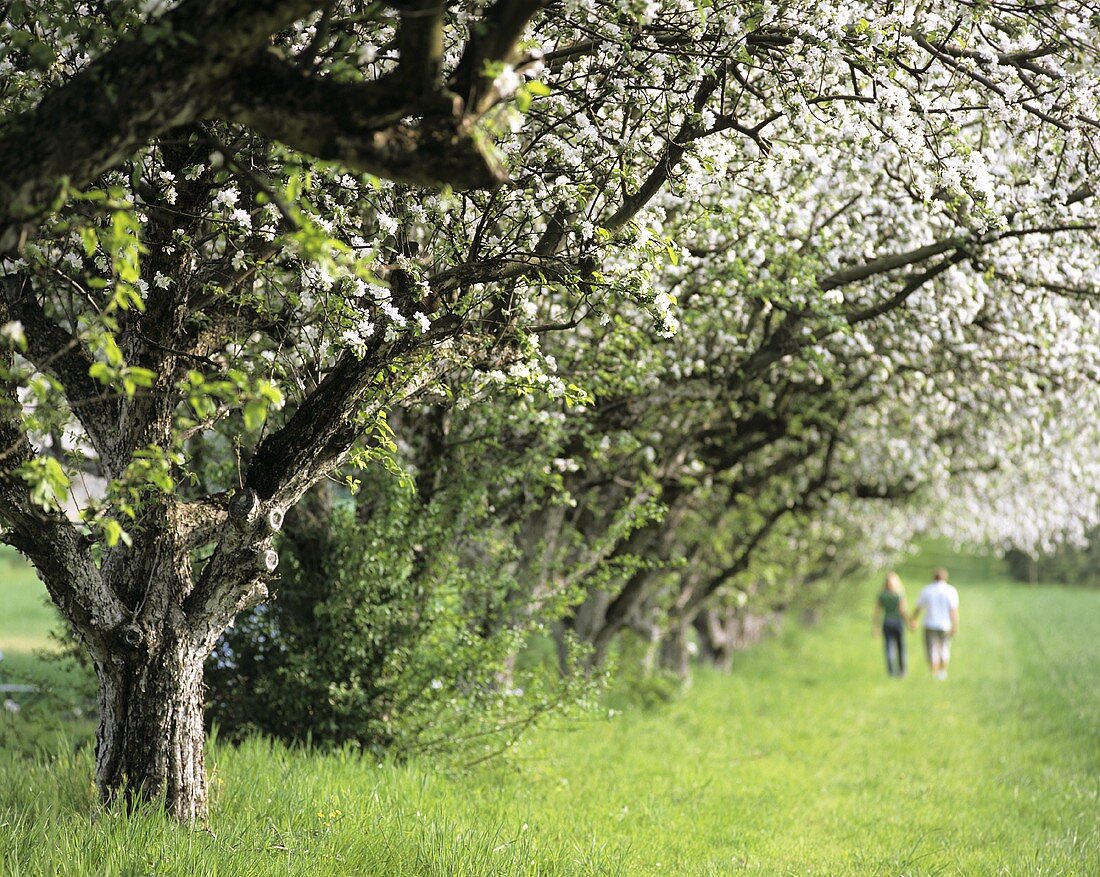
column 937, row 600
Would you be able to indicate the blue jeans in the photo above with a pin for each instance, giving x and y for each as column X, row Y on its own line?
column 893, row 635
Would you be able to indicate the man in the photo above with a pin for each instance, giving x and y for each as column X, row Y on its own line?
column 941, row 603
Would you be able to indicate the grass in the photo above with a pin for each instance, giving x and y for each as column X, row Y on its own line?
column 56, row 714
column 807, row 760
column 25, row 618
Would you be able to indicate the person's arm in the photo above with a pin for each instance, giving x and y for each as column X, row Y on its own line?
column 954, row 621
column 916, row 614
column 903, row 608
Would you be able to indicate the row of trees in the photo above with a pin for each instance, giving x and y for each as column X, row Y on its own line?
column 1067, row 564
column 662, row 313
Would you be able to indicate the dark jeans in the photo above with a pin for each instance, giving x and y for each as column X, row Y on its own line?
column 893, row 635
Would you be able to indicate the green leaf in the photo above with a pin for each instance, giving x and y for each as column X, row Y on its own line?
column 270, row 392
column 90, row 239
column 42, row 56
column 142, row 377
column 111, row 350
column 49, row 485
column 255, row 413
column 112, row 532
column 101, row 372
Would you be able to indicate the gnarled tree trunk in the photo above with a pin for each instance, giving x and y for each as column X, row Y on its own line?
column 150, row 742
column 149, row 746
column 151, row 738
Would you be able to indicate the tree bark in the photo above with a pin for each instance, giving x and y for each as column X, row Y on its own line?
column 210, row 59
column 150, row 743
column 674, row 653
column 721, row 630
column 714, row 642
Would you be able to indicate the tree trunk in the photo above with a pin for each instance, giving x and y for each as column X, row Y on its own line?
column 715, row 642
column 750, row 628
column 506, row 675
column 561, row 647
column 149, row 746
column 674, row 654
column 652, row 634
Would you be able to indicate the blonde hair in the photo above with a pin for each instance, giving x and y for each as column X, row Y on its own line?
column 893, row 582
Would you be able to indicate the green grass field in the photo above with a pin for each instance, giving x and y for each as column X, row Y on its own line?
column 808, row 760
column 24, row 617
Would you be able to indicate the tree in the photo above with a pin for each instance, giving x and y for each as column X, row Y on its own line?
column 205, row 314
column 162, row 291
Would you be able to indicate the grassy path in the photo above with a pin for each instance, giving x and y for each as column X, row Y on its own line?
column 808, row 760
column 811, row 760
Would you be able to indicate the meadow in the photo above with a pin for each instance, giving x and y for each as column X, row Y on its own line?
column 806, row 760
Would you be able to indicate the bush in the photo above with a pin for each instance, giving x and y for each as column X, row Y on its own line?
column 380, row 637
column 633, row 683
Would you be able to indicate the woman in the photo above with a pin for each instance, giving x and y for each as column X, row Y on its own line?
column 890, row 605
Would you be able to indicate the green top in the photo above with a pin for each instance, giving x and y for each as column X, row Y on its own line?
column 891, row 605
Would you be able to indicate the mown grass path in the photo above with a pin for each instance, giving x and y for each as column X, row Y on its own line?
column 811, row 760
column 807, row 760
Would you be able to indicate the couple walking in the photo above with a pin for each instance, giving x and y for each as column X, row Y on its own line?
column 940, row 603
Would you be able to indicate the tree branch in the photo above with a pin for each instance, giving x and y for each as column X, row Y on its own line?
column 914, row 283
column 206, row 59
column 55, row 351
column 420, row 46
column 359, row 123
column 888, row 263
column 492, row 40
column 50, row 541
column 674, row 152
column 741, row 562
column 503, row 268
column 136, row 91
column 315, row 440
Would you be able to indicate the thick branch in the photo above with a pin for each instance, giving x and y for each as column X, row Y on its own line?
column 420, row 46
column 668, row 161
column 206, row 60
column 358, row 124
column 315, row 440
column 165, row 76
column 634, row 591
column 883, row 264
column 319, row 433
column 963, row 246
column 50, row 541
column 197, row 523
column 912, row 285
column 740, row 563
